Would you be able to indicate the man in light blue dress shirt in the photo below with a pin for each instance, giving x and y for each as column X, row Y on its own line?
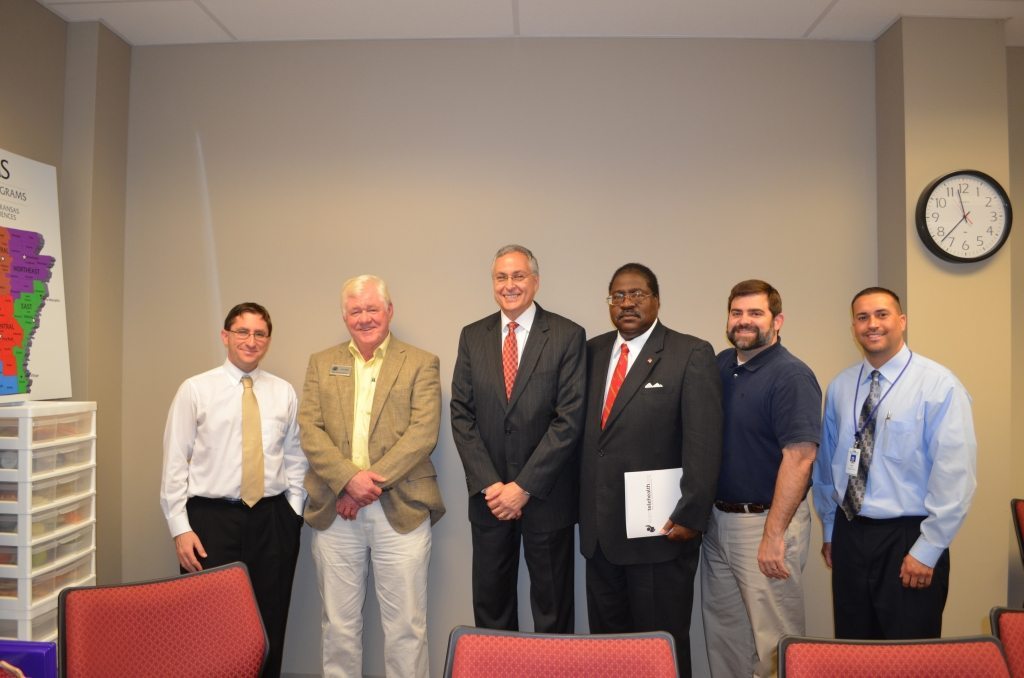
column 914, row 449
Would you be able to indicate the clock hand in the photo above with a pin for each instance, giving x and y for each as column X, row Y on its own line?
column 963, row 210
column 949, row 235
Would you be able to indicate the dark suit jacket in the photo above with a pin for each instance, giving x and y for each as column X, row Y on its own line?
column 678, row 424
column 531, row 438
column 404, row 421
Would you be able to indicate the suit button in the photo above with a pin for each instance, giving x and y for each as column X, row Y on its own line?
column 600, row 453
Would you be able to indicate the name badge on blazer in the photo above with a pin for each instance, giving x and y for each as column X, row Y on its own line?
column 341, row 370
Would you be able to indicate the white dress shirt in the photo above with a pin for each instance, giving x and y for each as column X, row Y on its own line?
column 636, row 344
column 203, row 441
column 523, row 325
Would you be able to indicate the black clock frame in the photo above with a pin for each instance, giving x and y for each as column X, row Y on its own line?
column 925, row 235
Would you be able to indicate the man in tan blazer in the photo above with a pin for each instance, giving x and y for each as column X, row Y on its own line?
column 368, row 422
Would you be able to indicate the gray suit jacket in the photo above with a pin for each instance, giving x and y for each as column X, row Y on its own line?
column 404, row 423
column 676, row 424
column 531, row 438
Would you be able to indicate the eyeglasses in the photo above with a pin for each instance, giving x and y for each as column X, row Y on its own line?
column 517, row 278
column 636, row 296
column 243, row 334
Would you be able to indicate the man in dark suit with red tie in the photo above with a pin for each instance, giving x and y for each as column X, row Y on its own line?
column 653, row 402
column 517, row 414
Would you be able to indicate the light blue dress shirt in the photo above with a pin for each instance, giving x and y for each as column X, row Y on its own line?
column 925, row 454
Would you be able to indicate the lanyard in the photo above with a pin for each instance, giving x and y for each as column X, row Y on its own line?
column 870, row 419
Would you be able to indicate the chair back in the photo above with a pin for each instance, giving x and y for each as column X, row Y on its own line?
column 1008, row 627
column 201, row 624
column 966, row 657
column 486, row 653
column 1017, row 510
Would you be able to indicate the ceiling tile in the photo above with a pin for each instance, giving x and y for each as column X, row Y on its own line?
column 357, row 19
column 689, row 18
column 154, row 22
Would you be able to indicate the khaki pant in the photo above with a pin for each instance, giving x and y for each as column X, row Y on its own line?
column 745, row 613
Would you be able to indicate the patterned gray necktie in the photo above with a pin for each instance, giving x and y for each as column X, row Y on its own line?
column 854, row 498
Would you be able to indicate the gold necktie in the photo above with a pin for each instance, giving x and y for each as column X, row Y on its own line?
column 252, row 446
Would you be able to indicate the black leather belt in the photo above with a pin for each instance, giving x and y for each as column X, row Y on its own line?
column 229, row 501
column 742, row 507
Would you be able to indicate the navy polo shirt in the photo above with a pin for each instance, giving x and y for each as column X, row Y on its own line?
column 770, row 401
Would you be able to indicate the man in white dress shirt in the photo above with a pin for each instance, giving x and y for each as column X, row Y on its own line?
column 217, row 513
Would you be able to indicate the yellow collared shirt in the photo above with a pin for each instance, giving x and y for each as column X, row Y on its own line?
column 365, row 373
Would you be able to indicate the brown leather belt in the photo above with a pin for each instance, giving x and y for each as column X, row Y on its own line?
column 741, row 508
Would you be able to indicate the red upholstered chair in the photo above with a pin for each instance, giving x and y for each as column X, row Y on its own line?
column 201, row 624
column 485, row 653
column 965, row 657
column 1008, row 627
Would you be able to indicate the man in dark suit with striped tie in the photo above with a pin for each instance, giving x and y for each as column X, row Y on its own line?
column 653, row 403
column 517, row 413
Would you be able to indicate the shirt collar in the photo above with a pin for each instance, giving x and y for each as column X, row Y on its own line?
column 378, row 353
column 525, row 319
column 758, row 360
column 636, row 344
column 892, row 368
column 237, row 374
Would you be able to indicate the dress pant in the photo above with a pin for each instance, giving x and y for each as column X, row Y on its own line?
column 744, row 612
column 644, row 597
column 265, row 538
column 342, row 554
column 870, row 601
column 549, row 559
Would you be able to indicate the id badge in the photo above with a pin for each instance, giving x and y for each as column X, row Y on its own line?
column 853, row 461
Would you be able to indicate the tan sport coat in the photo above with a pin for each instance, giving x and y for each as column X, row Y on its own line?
column 403, row 432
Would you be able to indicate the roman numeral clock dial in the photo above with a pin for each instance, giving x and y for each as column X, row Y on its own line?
column 964, row 216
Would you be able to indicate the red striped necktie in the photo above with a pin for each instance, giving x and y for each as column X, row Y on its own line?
column 617, row 377
column 510, row 358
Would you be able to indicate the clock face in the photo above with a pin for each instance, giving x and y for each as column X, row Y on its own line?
column 964, row 216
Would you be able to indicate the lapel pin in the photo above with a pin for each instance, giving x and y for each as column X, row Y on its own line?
column 650, row 360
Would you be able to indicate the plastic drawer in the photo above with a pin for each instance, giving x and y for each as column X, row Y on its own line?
column 25, row 495
column 24, row 594
column 28, row 425
column 74, row 454
column 26, row 529
column 75, row 543
column 38, row 463
column 76, row 483
column 8, row 459
column 37, row 624
column 26, row 561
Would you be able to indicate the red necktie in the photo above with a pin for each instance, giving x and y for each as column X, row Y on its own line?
column 510, row 358
column 613, row 388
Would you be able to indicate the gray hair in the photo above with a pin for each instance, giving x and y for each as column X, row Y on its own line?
column 356, row 285
column 512, row 249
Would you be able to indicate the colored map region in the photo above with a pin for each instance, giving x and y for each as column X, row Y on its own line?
column 23, row 292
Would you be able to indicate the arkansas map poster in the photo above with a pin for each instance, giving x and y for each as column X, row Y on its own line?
column 34, row 363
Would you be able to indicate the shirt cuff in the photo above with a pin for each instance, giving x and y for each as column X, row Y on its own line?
column 826, row 530
column 297, row 501
column 928, row 554
column 179, row 524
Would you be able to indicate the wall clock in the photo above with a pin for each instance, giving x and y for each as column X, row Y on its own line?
column 964, row 216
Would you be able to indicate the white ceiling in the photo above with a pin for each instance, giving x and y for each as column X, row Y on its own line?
column 162, row 22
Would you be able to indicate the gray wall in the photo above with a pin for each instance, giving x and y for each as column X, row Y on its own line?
column 273, row 172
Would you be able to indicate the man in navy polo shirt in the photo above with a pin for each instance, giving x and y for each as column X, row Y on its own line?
column 756, row 545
